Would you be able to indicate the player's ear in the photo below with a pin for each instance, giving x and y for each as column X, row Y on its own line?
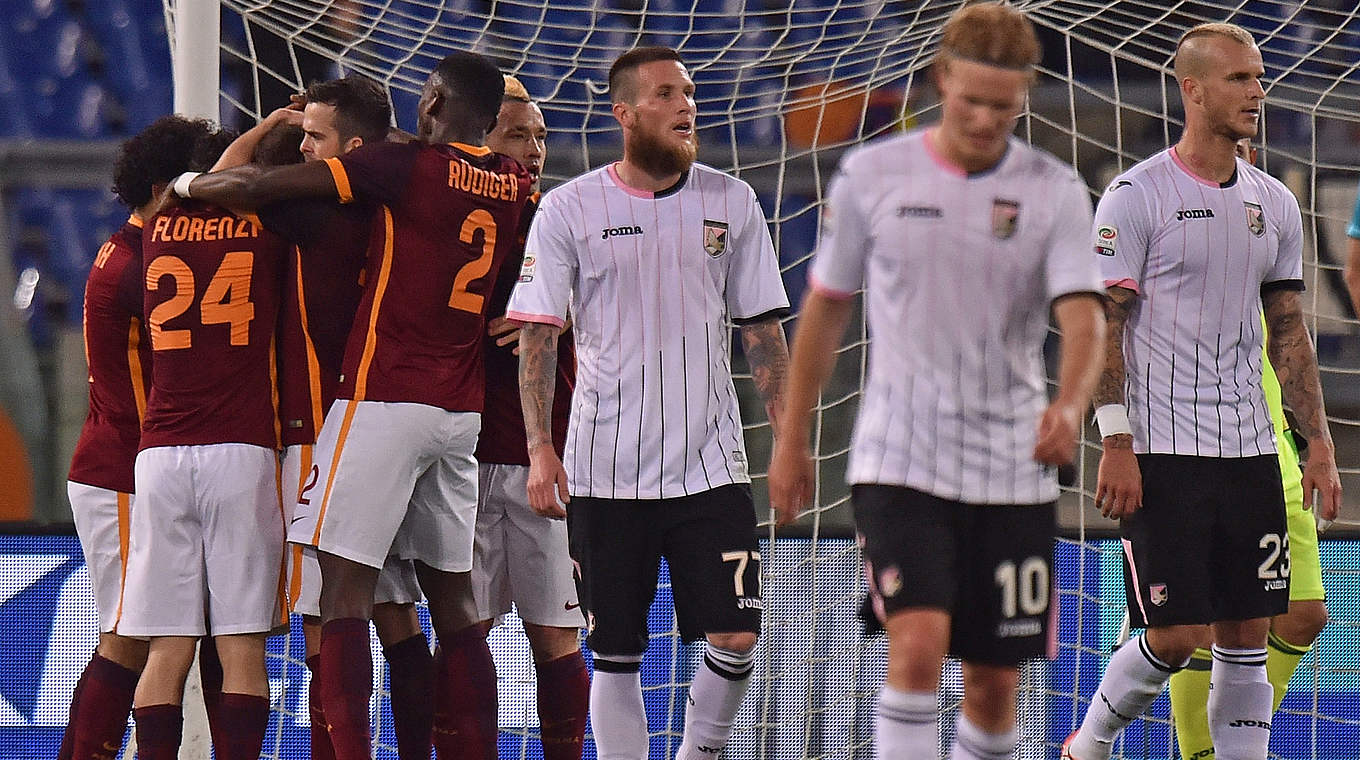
column 492, row 126
column 352, row 143
column 623, row 114
column 435, row 104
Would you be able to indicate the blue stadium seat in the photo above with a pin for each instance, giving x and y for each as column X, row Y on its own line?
column 14, row 117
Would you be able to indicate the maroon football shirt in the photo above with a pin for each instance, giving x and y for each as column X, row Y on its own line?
column 212, row 290
column 323, row 282
column 449, row 215
column 118, row 354
column 502, row 440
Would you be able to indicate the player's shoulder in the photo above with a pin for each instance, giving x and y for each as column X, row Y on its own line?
column 1145, row 174
column 1039, row 165
column 1271, row 186
column 882, row 153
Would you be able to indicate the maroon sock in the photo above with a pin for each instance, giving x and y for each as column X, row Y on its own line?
column 105, row 699
column 158, row 731
column 72, row 718
column 244, row 718
column 563, row 698
column 346, row 683
column 411, row 676
column 321, row 738
column 210, row 678
column 465, row 698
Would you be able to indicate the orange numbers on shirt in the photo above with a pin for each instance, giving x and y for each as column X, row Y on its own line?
column 460, row 298
column 226, row 301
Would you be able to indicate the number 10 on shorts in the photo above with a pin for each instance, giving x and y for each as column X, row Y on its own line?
column 1023, row 589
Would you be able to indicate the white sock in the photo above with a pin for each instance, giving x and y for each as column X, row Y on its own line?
column 908, row 724
column 1132, row 680
column 1240, row 697
column 618, row 719
column 714, row 698
column 972, row 743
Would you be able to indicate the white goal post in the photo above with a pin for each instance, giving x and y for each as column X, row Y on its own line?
column 783, row 89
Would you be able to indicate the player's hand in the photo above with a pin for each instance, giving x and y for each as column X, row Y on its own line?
column 505, row 331
column 790, row 479
column 1119, row 484
column 547, row 482
column 290, row 114
column 1056, row 442
column 1320, row 477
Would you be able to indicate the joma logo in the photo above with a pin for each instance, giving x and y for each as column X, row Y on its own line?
column 1194, row 213
column 610, row 232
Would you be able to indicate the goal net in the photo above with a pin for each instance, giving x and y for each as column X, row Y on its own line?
column 783, row 89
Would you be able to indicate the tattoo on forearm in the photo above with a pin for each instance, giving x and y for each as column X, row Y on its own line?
column 768, row 354
column 537, row 380
column 1291, row 355
column 1110, row 387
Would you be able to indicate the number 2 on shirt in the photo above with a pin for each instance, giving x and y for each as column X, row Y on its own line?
column 460, row 298
column 226, row 300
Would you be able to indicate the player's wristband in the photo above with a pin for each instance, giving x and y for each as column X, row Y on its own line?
column 1113, row 419
column 182, row 183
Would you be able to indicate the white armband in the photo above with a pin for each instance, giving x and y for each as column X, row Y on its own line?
column 182, row 183
column 1113, row 419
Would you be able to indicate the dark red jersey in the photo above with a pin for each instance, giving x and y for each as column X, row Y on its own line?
column 119, row 357
column 212, row 289
column 448, row 216
column 322, row 285
column 502, row 440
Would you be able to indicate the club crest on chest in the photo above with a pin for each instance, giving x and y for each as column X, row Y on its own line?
column 715, row 238
column 1005, row 216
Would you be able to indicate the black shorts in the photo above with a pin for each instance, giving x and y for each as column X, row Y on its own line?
column 1210, row 542
column 989, row 566
column 709, row 542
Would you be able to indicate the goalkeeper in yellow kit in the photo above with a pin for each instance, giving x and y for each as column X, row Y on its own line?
column 1291, row 634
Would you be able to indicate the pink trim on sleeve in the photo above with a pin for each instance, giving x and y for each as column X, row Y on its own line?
column 828, row 291
column 540, row 319
column 1126, row 282
column 1176, row 157
column 633, row 191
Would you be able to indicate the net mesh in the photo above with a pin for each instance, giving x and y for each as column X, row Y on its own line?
column 783, row 89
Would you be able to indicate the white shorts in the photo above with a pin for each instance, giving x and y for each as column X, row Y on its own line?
column 394, row 478
column 397, row 582
column 103, row 519
column 520, row 555
column 206, row 547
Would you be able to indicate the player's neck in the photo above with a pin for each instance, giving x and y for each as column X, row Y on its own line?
column 639, row 178
column 1208, row 155
column 450, row 134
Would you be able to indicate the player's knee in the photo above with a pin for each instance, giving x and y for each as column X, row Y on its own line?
column 743, row 642
column 127, row 652
column 1175, row 645
column 549, row 643
column 395, row 622
column 1302, row 624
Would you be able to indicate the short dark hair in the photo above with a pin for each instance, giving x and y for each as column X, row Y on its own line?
column 155, row 156
column 474, row 82
column 361, row 106
column 621, row 82
column 210, row 148
column 280, row 146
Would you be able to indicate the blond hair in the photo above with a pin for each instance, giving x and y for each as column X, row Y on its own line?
column 514, row 90
column 1187, row 61
column 991, row 34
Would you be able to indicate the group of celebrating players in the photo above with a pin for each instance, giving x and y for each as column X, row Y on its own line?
column 348, row 369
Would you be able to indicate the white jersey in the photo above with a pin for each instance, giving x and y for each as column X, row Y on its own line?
column 1198, row 255
column 959, row 272
column 652, row 281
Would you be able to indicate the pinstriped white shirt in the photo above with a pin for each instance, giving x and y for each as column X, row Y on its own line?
column 653, row 282
column 1198, row 254
column 959, row 272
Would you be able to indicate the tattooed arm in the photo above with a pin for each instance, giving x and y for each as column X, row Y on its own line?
column 537, row 380
column 768, row 354
column 1291, row 354
column 1119, row 484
